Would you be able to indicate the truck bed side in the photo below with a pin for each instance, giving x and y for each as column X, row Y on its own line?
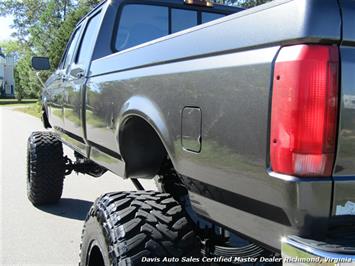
column 222, row 70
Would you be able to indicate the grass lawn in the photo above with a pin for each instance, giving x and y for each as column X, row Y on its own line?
column 28, row 106
column 34, row 109
column 15, row 102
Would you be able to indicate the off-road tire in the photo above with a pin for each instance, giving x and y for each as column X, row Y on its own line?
column 45, row 168
column 127, row 226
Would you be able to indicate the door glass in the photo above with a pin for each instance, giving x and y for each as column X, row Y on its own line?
column 84, row 54
column 141, row 23
column 71, row 49
column 182, row 19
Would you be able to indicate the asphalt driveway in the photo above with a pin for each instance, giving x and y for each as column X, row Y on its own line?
column 47, row 235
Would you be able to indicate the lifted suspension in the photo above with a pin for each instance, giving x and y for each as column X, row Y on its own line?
column 84, row 166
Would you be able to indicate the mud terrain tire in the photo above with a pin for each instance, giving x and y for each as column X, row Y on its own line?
column 45, row 168
column 123, row 228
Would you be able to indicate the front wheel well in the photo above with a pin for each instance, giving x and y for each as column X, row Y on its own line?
column 141, row 148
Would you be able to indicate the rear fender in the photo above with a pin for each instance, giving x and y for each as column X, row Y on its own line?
column 144, row 108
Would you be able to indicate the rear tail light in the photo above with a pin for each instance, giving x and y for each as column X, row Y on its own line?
column 304, row 110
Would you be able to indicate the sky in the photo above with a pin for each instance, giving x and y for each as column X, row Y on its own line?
column 5, row 30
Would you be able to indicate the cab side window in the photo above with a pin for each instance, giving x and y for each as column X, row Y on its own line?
column 182, row 19
column 141, row 23
column 207, row 16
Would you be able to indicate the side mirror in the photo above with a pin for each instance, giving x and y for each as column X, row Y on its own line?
column 40, row 63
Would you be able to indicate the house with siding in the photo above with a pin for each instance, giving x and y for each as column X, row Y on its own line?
column 7, row 79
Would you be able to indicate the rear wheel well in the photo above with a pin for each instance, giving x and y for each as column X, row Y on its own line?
column 141, row 148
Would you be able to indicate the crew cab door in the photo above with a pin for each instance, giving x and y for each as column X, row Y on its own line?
column 74, row 86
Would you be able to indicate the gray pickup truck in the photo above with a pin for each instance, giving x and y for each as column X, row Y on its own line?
column 244, row 118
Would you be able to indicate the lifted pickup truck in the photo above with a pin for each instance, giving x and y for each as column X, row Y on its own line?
column 246, row 123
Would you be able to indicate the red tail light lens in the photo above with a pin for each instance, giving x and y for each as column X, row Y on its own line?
column 304, row 110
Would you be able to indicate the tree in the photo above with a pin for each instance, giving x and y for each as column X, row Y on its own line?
column 35, row 22
column 62, row 35
column 43, row 27
column 25, row 13
column 31, row 14
column 10, row 47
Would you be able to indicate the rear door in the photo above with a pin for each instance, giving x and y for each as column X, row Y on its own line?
column 74, row 85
